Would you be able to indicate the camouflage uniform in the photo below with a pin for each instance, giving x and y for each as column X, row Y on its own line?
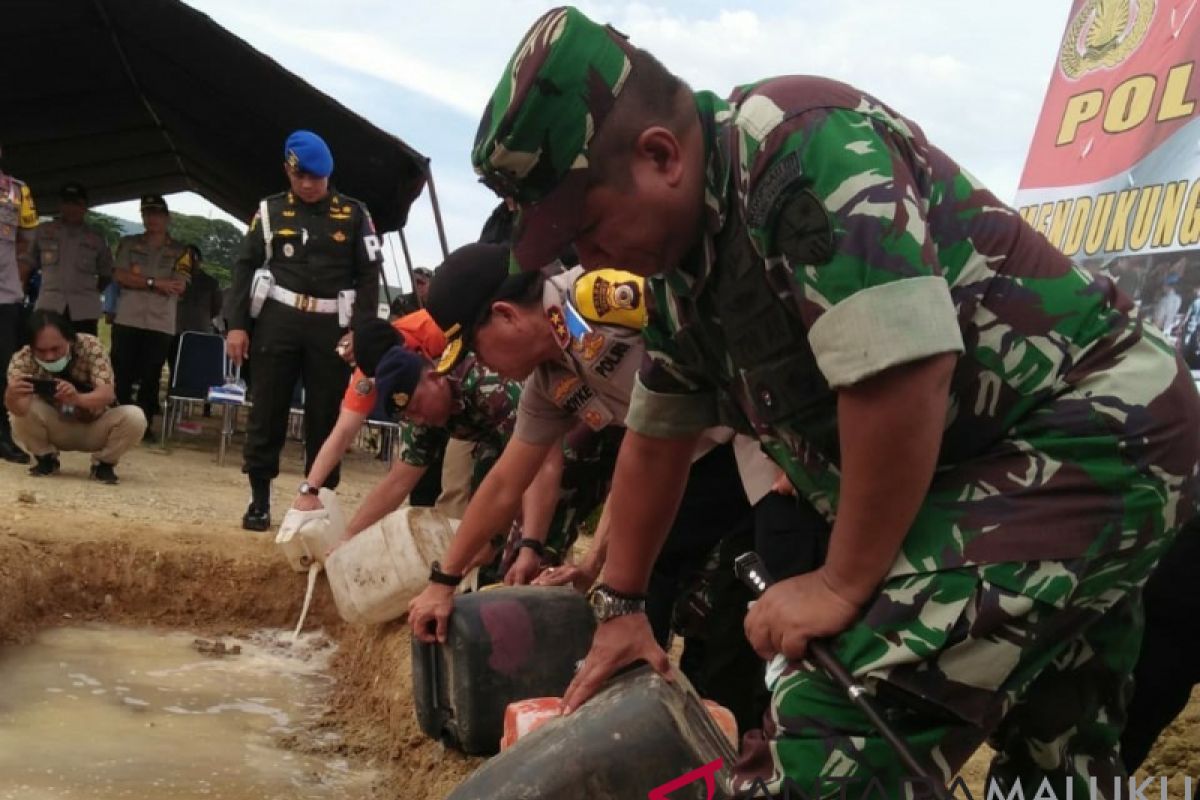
column 838, row 243
column 484, row 413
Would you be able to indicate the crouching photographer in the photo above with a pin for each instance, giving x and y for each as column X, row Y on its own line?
column 60, row 397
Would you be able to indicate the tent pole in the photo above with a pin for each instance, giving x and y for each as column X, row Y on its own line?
column 437, row 214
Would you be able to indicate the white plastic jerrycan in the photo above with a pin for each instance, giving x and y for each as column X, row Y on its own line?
column 306, row 536
column 375, row 575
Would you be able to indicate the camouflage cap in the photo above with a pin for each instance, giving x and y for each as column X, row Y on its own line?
column 533, row 140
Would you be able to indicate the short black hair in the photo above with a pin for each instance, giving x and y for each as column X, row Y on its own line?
column 45, row 318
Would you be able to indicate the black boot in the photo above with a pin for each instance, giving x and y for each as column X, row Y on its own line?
column 46, row 465
column 10, row 452
column 258, row 513
column 104, row 473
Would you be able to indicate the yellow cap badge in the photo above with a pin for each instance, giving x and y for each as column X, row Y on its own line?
column 401, row 400
column 453, row 351
column 612, row 296
column 293, row 160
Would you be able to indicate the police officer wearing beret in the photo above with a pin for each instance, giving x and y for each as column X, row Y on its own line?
column 309, row 268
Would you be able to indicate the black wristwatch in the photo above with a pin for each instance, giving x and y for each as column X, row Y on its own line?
column 607, row 603
column 445, row 579
column 308, row 488
column 537, row 547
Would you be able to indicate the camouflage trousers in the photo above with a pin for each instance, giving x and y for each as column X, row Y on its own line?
column 955, row 659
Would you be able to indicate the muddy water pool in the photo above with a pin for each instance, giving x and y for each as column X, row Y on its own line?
column 106, row 712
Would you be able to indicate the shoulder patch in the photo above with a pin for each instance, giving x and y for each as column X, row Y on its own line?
column 767, row 189
column 613, row 297
column 803, row 230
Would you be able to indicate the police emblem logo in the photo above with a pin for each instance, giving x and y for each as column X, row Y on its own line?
column 559, row 323
column 612, row 296
column 289, row 250
column 339, row 237
column 593, row 418
column 293, row 160
column 1103, row 33
column 401, row 400
column 589, row 345
column 363, row 386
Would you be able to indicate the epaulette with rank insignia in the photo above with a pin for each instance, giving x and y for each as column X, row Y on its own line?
column 612, row 297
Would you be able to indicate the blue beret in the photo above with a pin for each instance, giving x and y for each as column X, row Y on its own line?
column 396, row 379
column 306, row 151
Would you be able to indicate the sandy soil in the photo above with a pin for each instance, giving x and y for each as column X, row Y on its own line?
column 165, row 548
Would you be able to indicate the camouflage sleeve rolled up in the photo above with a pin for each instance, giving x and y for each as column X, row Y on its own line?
column 669, row 398
column 837, row 198
column 421, row 444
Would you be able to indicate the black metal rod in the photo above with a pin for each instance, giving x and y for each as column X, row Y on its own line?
column 750, row 570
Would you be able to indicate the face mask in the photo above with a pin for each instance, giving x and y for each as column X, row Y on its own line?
column 55, row 366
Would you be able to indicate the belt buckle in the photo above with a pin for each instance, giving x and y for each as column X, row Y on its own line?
column 304, row 302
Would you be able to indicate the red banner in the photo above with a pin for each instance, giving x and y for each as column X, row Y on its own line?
column 1115, row 159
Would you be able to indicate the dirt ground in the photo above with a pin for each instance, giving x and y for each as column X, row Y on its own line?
column 165, row 548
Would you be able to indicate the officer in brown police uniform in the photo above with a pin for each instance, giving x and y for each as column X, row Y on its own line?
column 75, row 262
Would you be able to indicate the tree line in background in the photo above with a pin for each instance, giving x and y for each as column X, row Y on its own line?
column 217, row 239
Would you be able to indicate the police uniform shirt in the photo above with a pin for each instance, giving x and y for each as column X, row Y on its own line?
column 594, row 378
column 601, row 352
column 17, row 213
column 146, row 308
column 317, row 250
column 71, row 258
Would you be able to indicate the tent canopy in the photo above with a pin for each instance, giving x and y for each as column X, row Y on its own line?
column 132, row 97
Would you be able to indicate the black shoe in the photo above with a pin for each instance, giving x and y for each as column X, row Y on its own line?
column 104, row 473
column 256, row 518
column 10, row 452
column 46, row 465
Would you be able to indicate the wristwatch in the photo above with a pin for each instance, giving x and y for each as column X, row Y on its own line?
column 537, row 547
column 307, row 488
column 444, row 578
column 607, row 603
column 149, row 283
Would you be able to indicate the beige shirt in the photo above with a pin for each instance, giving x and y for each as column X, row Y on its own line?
column 594, row 378
column 147, row 308
column 72, row 259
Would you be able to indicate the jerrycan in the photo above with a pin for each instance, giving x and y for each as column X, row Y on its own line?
column 374, row 575
column 502, row 645
column 526, row 716
column 640, row 736
column 306, row 536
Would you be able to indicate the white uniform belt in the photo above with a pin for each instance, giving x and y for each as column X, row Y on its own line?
column 318, row 305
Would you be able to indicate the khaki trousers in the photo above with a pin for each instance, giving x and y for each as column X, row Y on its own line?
column 43, row 431
column 457, row 466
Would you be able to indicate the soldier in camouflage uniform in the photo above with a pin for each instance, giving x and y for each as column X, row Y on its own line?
column 466, row 401
column 1003, row 449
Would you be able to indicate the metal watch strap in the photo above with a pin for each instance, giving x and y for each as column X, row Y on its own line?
column 610, row 591
column 445, row 579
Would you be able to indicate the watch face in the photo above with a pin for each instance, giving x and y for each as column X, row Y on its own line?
column 599, row 603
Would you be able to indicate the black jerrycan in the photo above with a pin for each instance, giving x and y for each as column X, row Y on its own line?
column 639, row 737
column 502, row 645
